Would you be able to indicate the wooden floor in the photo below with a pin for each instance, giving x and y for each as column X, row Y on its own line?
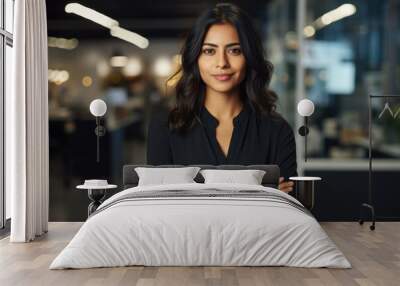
column 375, row 257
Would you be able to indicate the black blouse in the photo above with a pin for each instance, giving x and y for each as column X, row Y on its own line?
column 255, row 140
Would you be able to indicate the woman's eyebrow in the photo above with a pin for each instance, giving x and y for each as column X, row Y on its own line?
column 228, row 45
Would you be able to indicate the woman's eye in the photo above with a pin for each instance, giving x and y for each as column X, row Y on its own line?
column 235, row 51
column 208, row 51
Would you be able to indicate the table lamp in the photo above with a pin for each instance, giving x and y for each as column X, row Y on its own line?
column 98, row 108
column 305, row 108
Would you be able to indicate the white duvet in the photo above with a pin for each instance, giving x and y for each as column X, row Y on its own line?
column 200, row 231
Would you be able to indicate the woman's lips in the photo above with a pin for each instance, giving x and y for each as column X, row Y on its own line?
column 223, row 77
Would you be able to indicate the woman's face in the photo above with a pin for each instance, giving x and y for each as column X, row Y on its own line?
column 221, row 61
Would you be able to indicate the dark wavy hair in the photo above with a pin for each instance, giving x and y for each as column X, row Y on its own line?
column 190, row 88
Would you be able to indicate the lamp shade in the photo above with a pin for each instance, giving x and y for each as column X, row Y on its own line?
column 305, row 107
column 98, row 107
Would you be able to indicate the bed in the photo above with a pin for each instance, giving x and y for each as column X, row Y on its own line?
column 198, row 224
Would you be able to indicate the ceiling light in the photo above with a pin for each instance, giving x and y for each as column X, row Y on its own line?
column 62, row 43
column 58, row 76
column 337, row 14
column 91, row 14
column 163, row 67
column 309, row 31
column 134, row 67
column 130, row 37
column 87, row 81
column 109, row 23
column 102, row 68
column 118, row 61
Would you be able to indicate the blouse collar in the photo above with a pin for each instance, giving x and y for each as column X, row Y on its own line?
column 210, row 120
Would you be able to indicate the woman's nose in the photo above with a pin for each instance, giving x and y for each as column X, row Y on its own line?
column 222, row 61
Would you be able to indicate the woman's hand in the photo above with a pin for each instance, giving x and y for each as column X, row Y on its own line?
column 285, row 186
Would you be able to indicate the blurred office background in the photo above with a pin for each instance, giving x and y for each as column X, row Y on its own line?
column 333, row 52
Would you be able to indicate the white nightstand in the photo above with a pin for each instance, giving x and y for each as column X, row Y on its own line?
column 96, row 194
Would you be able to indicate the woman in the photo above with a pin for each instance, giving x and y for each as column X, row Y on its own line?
column 223, row 112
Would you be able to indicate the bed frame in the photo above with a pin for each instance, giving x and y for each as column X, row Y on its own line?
column 271, row 178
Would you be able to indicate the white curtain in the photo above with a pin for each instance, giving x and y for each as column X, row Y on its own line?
column 27, row 147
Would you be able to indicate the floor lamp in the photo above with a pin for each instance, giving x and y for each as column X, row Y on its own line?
column 369, row 204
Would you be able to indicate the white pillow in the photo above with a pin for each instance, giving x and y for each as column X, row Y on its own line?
column 162, row 176
column 249, row 177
